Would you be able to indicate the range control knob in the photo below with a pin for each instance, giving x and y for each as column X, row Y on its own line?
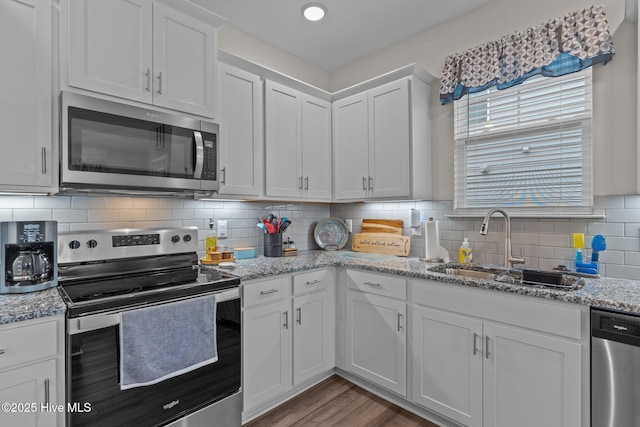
column 187, row 237
column 175, row 238
column 74, row 244
column 92, row 243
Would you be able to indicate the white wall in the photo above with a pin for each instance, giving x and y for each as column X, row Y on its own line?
column 245, row 46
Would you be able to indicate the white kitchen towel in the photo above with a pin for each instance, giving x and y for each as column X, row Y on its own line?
column 167, row 340
column 431, row 240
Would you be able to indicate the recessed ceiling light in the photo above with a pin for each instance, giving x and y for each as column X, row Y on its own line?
column 314, row 11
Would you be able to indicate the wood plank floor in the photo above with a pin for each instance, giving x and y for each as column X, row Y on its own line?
column 338, row 402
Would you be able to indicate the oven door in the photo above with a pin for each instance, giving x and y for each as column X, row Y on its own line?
column 211, row 392
column 112, row 145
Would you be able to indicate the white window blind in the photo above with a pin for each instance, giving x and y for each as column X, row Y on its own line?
column 526, row 148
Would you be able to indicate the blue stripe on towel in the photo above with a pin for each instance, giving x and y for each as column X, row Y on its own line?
column 167, row 340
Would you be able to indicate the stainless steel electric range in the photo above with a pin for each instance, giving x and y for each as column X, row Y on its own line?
column 103, row 274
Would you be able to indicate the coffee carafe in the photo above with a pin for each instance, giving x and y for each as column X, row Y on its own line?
column 28, row 256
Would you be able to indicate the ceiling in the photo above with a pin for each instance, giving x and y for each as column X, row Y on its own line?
column 351, row 30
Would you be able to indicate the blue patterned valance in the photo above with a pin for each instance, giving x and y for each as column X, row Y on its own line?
column 560, row 46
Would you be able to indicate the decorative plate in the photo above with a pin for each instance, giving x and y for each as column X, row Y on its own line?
column 331, row 233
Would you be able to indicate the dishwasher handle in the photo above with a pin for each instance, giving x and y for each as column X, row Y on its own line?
column 614, row 326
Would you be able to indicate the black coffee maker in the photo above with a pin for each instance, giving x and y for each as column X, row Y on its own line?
column 28, row 252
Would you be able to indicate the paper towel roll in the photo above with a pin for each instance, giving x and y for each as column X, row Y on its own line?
column 431, row 240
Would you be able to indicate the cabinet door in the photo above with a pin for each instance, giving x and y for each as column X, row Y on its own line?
column 447, row 370
column 241, row 145
column 283, row 141
column 31, row 387
column 316, row 148
column 389, row 140
column 313, row 336
column 25, row 94
column 376, row 340
column 351, row 147
column 266, row 347
column 184, row 61
column 530, row 380
column 110, row 47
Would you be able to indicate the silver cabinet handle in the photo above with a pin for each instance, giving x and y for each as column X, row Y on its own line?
column 44, row 160
column 306, row 183
column 148, row 76
column 270, row 291
column 286, row 320
column 47, row 392
column 370, row 183
column 299, row 310
column 364, row 183
column 475, row 341
column 199, row 157
column 399, row 322
column 486, row 347
column 375, row 285
column 313, row 282
column 223, row 172
column 300, row 183
column 160, row 83
column 2, row 351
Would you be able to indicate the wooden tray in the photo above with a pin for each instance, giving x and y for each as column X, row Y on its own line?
column 214, row 258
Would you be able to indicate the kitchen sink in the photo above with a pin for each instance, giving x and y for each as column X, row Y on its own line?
column 525, row 277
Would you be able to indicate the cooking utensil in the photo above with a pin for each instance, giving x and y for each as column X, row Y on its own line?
column 263, row 227
column 286, row 223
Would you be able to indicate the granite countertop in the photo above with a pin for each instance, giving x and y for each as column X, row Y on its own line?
column 604, row 292
column 18, row 307
column 616, row 294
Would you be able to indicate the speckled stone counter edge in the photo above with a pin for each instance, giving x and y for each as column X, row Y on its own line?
column 609, row 293
column 19, row 307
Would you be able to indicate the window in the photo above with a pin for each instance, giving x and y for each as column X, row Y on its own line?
column 526, row 148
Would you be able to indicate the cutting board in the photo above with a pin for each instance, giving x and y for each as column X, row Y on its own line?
column 393, row 226
column 381, row 243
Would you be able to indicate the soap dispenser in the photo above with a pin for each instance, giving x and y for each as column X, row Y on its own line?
column 465, row 252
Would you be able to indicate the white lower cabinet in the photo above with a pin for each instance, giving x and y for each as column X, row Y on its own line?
column 267, row 352
column 286, row 340
column 481, row 372
column 32, row 373
column 376, row 339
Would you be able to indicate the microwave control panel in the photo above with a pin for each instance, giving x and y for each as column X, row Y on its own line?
column 210, row 160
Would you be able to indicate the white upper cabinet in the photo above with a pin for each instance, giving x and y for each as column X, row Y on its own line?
column 161, row 53
column 26, row 96
column 382, row 141
column 297, row 145
column 242, row 144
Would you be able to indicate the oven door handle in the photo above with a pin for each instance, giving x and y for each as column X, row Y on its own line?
column 100, row 321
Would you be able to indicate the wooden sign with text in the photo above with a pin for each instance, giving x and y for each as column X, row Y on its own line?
column 381, row 243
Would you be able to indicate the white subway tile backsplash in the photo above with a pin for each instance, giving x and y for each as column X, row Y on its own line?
column 623, row 215
column 609, row 202
column 32, row 214
column 46, row 202
column 16, row 202
column 86, row 202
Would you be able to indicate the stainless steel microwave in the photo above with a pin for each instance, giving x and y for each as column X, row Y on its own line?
column 118, row 148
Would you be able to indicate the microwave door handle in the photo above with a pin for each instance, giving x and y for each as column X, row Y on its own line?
column 199, row 154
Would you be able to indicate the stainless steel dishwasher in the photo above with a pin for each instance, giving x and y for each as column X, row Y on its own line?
column 615, row 369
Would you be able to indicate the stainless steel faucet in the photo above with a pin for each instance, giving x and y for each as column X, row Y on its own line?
column 508, row 258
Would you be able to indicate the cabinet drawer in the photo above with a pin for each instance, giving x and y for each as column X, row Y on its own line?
column 266, row 291
column 312, row 281
column 25, row 343
column 377, row 284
